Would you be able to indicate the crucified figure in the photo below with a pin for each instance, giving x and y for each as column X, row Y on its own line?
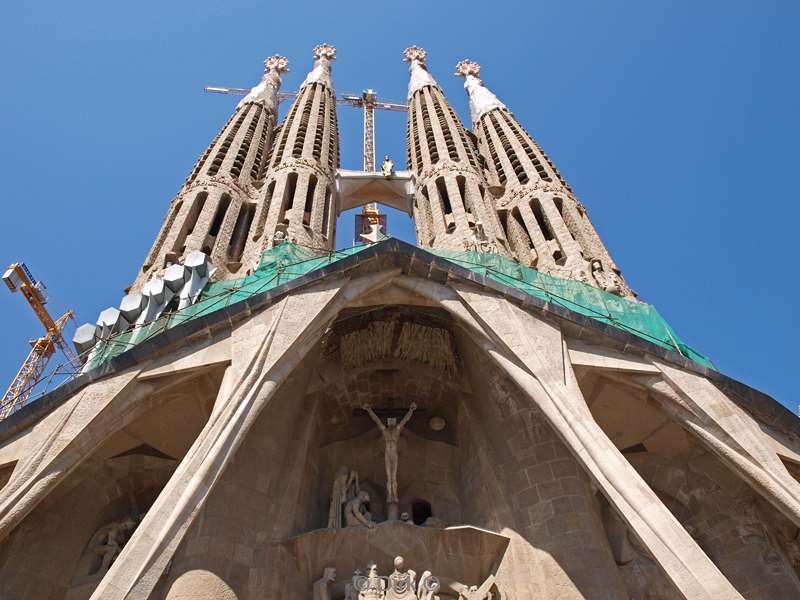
column 391, row 435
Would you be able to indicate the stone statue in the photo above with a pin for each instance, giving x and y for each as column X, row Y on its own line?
column 607, row 281
column 371, row 587
column 387, row 168
column 278, row 238
column 345, row 488
column 427, row 586
column 391, row 436
column 401, row 582
column 478, row 593
column 321, row 591
column 355, row 514
column 108, row 541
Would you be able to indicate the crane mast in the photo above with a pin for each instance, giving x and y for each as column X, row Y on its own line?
column 19, row 279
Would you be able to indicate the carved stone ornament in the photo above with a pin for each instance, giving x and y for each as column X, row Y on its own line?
column 276, row 63
column 413, row 53
column 325, row 51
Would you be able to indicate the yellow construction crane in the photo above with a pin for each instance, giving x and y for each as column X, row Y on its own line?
column 19, row 279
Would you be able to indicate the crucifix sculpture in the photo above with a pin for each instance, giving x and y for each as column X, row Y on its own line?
column 391, row 436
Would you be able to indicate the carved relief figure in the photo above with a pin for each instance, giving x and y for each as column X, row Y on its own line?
column 401, row 582
column 345, row 488
column 391, row 436
column 108, row 541
column 321, row 591
column 427, row 587
column 355, row 512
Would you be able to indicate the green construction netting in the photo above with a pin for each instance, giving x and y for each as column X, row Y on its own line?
column 288, row 261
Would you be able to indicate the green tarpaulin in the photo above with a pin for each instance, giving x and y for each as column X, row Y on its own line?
column 288, row 261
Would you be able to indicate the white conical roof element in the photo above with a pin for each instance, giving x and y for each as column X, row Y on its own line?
column 481, row 100
column 419, row 72
column 321, row 72
column 266, row 92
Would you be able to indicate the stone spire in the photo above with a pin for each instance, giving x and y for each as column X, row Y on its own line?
column 420, row 77
column 298, row 195
column 321, row 72
column 452, row 208
column 545, row 224
column 266, row 92
column 214, row 209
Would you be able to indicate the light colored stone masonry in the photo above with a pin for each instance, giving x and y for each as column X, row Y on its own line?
column 451, row 207
column 297, row 201
column 214, row 209
column 547, row 227
column 605, row 474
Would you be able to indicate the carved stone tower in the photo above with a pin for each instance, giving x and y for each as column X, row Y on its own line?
column 452, row 209
column 390, row 421
column 215, row 207
column 299, row 193
column 547, row 227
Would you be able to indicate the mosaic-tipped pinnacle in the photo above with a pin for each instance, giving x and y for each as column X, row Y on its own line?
column 413, row 53
column 324, row 51
column 468, row 67
column 276, row 63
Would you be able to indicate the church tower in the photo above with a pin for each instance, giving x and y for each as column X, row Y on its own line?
column 452, row 209
column 298, row 196
column 215, row 207
column 547, row 227
column 475, row 417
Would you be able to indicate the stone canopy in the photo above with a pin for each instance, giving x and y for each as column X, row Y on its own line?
column 570, row 459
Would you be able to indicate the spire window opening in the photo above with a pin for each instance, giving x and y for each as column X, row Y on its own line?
column 300, row 138
column 241, row 156
column 521, row 240
column 240, row 230
column 333, row 134
column 466, row 142
column 226, row 144
column 190, row 222
column 445, row 127
column 559, row 202
column 426, row 123
column 262, row 218
column 441, row 187
column 508, row 148
column 219, row 215
column 498, row 166
column 536, row 208
column 308, row 209
column 525, row 142
column 320, row 128
column 288, row 198
column 326, row 212
column 256, row 171
column 462, row 190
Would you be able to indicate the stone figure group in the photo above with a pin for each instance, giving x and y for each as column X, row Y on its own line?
column 108, row 541
column 401, row 584
column 345, row 488
column 349, row 503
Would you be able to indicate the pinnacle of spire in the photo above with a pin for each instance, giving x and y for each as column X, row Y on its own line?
column 420, row 77
column 321, row 72
column 481, row 100
column 266, row 92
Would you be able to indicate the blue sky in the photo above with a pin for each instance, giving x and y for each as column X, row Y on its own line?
column 675, row 122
